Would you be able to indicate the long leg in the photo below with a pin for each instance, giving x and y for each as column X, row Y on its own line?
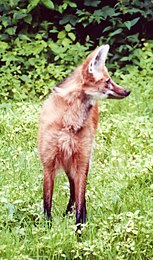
column 48, row 190
column 80, row 188
column 72, row 196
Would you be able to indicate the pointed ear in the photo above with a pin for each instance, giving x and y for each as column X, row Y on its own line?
column 98, row 59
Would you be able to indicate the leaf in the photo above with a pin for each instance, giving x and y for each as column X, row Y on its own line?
column 126, row 58
column 72, row 4
column 107, row 28
column 129, row 24
column 134, row 21
column 72, row 36
column 133, row 38
column 69, row 19
column 108, row 11
column 4, row 45
column 61, row 34
column 118, row 31
column 25, row 78
column 11, row 30
column 68, row 27
column 28, row 19
column 32, row 61
column 54, row 47
column 135, row 10
column 49, row 4
column 53, row 31
column 66, row 42
column 32, row 4
column 19, row 15
column 24, row 37
column 5, row 21
column 92, row 3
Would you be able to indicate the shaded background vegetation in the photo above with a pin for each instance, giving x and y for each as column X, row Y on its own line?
column 42, row 41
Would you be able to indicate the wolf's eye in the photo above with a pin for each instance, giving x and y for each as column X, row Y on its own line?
column 107, row 80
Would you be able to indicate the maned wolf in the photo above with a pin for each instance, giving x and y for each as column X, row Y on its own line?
column 68, row 124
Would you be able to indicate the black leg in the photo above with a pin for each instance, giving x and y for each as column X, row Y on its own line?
column 84, row 212
column 72, row 196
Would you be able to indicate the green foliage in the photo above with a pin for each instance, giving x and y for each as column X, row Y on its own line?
column 122, row 23
column 32, row 68
column 42, row 41
column 119, row 201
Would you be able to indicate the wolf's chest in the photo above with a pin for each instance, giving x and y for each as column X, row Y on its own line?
column 68, row 143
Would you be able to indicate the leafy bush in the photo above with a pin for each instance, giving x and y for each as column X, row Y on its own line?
column 28, row 70
column 32, row 68
column 42, row 41
column 122, row 23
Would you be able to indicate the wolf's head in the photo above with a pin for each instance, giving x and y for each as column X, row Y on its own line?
column 96, row 81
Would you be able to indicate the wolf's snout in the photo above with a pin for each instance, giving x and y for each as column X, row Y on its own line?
column 127, row 92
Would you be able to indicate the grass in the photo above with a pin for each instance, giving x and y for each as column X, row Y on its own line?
column 119, row 189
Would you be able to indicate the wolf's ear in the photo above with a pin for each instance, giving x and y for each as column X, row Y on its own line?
column 98, row 59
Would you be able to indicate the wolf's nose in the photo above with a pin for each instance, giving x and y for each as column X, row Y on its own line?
column 127, row 92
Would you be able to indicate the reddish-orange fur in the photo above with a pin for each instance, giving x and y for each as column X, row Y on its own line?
column 68, row 123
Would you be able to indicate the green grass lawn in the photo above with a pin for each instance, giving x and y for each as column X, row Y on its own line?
column 119, row 189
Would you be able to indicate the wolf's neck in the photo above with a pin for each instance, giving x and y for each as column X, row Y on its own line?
column 77, row 113
column 78, row 104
